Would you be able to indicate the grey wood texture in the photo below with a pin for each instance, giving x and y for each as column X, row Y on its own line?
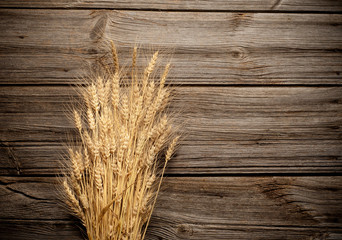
column 240, row 208
column 258, row 91
column 190, row 5
column 228, row 130
column 52, row 46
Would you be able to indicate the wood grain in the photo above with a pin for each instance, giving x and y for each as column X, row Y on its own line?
column 190, row 5
column 52, row 46
column 228, row 129
column 65, row 230
column 196, row 208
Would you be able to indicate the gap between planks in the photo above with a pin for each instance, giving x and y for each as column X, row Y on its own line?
column 178, row 10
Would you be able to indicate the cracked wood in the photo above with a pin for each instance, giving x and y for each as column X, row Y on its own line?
column 295, row 207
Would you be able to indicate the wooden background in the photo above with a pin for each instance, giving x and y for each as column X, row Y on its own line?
column 260, row 82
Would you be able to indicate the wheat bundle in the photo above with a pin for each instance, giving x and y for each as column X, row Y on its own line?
column 114, row 175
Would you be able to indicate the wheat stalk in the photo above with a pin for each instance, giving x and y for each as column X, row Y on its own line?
column 114, row 176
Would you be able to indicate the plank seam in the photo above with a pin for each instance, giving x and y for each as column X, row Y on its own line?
column 179, row 10
column 179, row 85
column 214, row 175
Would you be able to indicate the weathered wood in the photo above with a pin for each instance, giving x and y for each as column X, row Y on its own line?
column 213, row 5
column 198, row 208
column 238, row 157
column 50, row 46
column 39, row 229
column 228, row 129
column 66, row 230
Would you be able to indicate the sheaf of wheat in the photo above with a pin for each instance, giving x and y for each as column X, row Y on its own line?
column 126, row 139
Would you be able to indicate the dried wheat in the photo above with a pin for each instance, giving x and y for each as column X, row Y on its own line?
column 115, row 175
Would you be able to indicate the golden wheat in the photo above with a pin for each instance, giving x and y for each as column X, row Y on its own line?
column 115, row 173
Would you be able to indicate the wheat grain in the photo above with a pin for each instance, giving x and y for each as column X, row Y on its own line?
column 171, row 149
column 164, row 76
column 84, row 201
column 78, row 121
column 91, row 119
column 94, row 99
column 86, row 159
column 124, row 107
column 115, row 57
column 98, row 178
column 75, row 164
column 134, row 61
column 72, row 201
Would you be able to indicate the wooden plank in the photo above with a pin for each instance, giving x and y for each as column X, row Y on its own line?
column 237, row 157
column 65, row 230
column 228, row 129
column 39, row 229
column 51, row 46
column 190, row 5
column 199, row 208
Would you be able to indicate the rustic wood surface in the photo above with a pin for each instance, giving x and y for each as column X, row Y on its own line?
column 258, row 88
column 51, row 46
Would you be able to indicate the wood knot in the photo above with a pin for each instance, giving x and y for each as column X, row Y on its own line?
column 238, row 53
column 92, row 51
column 184, row 230
column 336, row 101
column 99, row 29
